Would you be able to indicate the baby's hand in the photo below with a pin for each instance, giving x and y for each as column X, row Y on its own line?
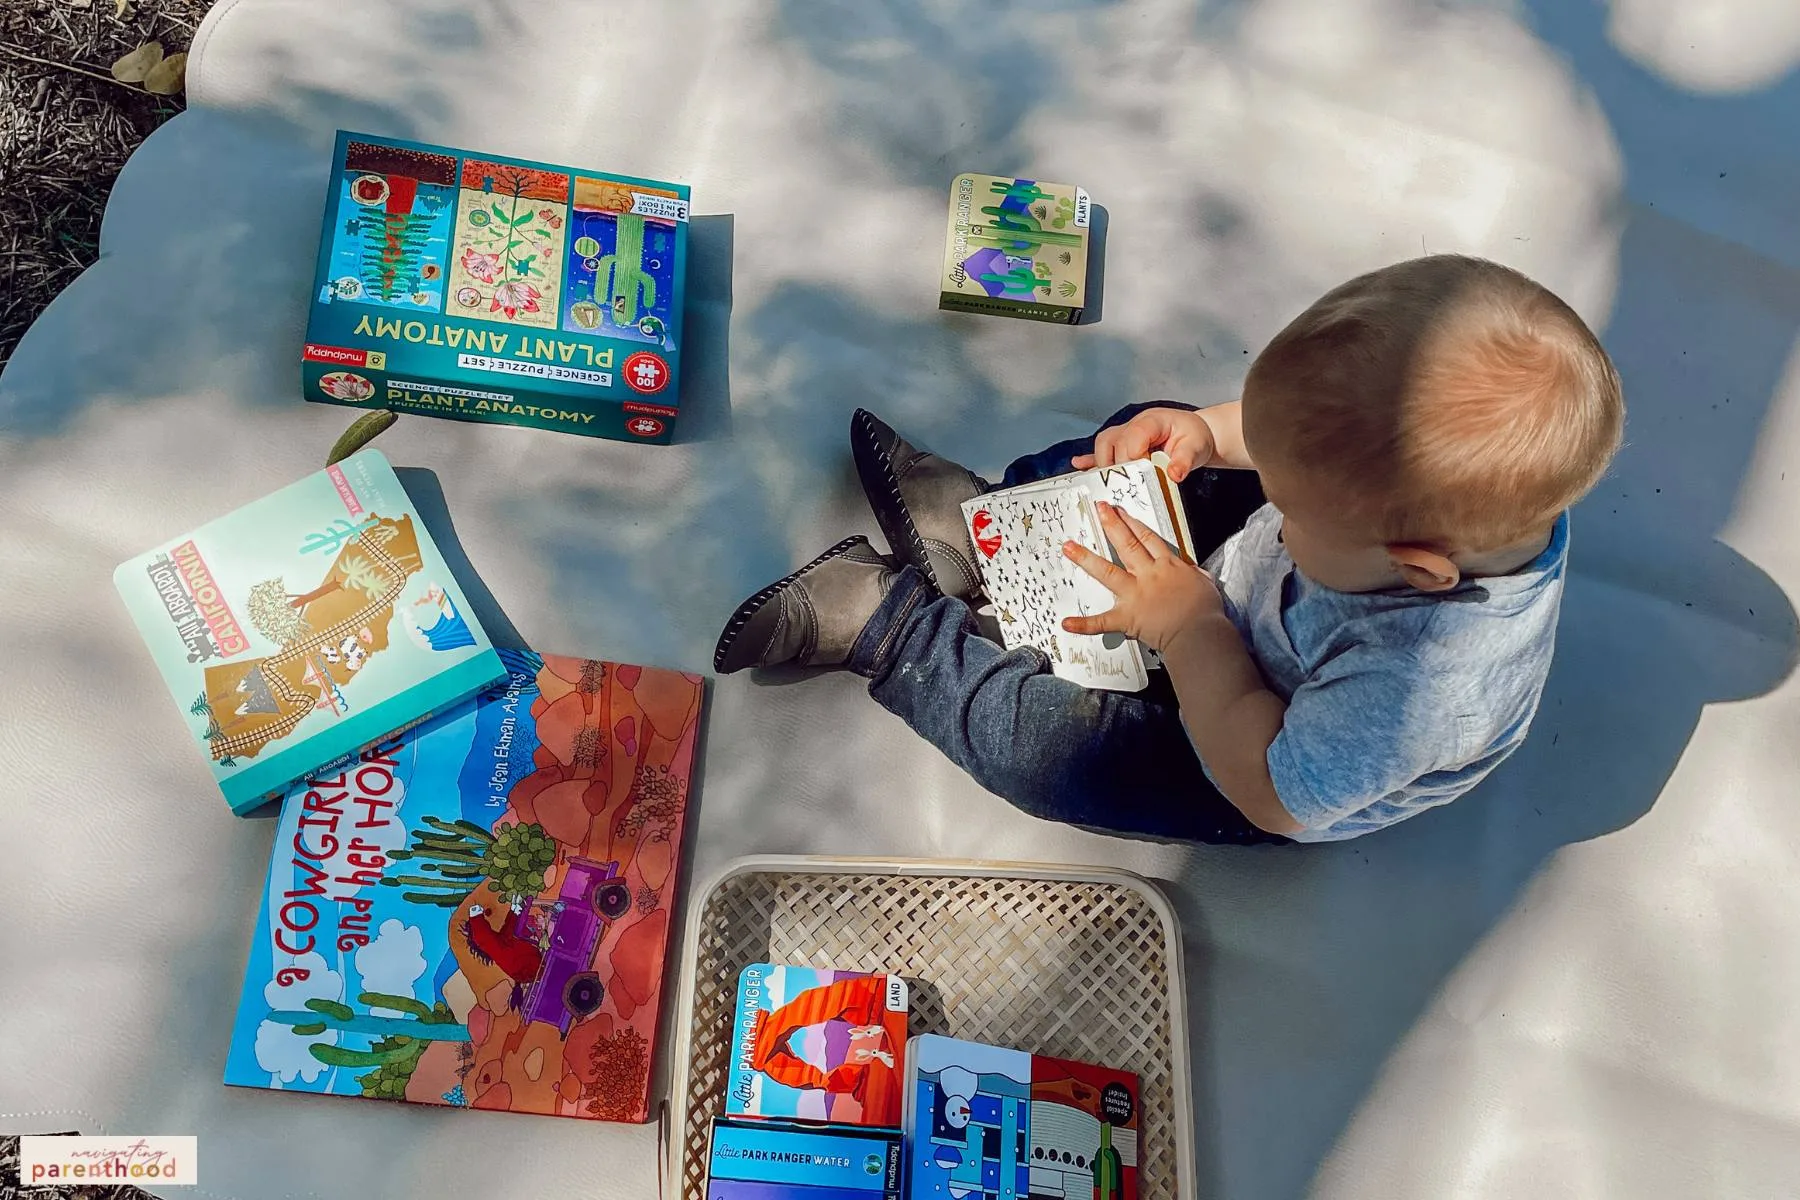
column 1157, row 594
column 1181, row 434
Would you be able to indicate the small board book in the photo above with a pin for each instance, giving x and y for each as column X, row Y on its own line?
column 817, row 1045
column 787, row 1160
column 1018, row 534
column 476, row 913
column 306, row 625
column 498, row 289
column 1000, row 1124
column 1016, row 248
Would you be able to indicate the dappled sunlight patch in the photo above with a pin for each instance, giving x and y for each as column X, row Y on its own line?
column 1713, row 46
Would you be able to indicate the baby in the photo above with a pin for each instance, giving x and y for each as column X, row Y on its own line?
column 1385, row 518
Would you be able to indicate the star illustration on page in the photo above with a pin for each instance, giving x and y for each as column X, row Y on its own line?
column 1006, row 615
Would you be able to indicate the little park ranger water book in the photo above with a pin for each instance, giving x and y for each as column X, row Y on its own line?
column 498, row 289
column 475, row 913
column 306, row 625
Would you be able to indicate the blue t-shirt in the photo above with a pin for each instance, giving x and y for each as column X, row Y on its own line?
column 1398, row 700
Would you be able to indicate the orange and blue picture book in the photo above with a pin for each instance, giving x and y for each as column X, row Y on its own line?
column 818, row 1045
column 306, row 625
column 476, row 912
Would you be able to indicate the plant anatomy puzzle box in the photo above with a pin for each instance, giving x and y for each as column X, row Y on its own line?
column 1016, row 248
column 498, row 289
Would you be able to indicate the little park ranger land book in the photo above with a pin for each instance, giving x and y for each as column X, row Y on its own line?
column 305, row 626
column 498, row 289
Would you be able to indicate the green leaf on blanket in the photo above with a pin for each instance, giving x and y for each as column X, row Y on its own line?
column 362, row 431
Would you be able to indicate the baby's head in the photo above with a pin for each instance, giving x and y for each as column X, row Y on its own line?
column 1429, row 420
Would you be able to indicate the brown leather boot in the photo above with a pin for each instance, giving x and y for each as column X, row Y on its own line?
column 810, row 618
column 917, row 499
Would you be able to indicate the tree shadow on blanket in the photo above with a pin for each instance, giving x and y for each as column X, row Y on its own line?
column 177, row 262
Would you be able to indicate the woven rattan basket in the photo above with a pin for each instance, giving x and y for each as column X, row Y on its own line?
column 1074, row 962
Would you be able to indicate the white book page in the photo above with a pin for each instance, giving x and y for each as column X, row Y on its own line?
column 1018, row 536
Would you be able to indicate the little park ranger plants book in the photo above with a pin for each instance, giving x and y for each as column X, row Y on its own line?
column 306, row 625
column 498, row 289
column 476, row 912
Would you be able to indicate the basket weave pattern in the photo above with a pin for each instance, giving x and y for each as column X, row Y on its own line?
column 1069, row 969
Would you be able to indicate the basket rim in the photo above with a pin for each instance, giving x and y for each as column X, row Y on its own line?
column 681, row 1046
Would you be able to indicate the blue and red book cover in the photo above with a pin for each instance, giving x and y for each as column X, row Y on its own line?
column 986, row 1121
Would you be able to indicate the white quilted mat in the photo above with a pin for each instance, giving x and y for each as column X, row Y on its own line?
column 1578, row 981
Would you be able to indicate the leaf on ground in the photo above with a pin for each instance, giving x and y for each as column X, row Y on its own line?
column 120, row 8
column 167, row 77
column 134, row 66
column 362, row 431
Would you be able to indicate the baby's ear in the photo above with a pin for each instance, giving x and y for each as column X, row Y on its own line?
column 1424, row 570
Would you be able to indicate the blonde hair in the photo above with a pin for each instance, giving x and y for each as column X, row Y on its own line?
column 1454, row 402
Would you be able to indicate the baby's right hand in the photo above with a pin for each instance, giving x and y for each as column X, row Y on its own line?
column 1178, row 432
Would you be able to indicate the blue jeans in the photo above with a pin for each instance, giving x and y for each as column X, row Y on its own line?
column 1112, row 762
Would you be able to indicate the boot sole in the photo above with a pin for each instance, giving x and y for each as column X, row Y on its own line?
column 875, row 470
column 754, row 604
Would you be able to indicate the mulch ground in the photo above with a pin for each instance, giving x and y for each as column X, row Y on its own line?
column 66, row 127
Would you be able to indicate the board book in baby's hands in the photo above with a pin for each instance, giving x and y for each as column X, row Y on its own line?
column 476, row 913
column 306, row 625
column 818, row 1045
column 1018, row 534
column 985, row 1121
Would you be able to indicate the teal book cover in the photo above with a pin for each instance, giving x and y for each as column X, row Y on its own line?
column 485, row 288
column 305, row 626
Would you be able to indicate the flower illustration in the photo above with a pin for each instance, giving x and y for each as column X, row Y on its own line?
column 548, row 214
column 485, row 267
column 513, row 297
column 556, row 222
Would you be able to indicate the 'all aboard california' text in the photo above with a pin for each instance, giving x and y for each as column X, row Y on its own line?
column 185, row 585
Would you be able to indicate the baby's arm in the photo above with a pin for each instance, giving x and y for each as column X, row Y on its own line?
column 1230, row 716
column 1207, row 437
column 1171, row 606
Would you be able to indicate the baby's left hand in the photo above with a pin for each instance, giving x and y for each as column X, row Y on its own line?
column 1157, row 595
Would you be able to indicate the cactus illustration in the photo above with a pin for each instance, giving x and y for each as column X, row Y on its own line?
column 1014, row 233
column 1016, row 280
column 621, row 274
column 453, row 857
column 1023, row 191
column 424, row 1024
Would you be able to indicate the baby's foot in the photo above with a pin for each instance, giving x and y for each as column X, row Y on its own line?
column 812, row 617
column 917, row 498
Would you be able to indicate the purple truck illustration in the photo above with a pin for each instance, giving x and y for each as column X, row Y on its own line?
column 566, row 990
